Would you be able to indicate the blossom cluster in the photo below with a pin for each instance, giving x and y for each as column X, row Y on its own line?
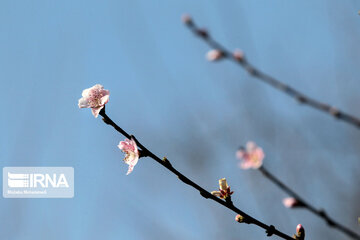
column 95, row 98
column 251, row 157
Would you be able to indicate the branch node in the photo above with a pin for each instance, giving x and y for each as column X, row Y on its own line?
column 241, row 219
column 229, row 201
column 186, row 19
column 204, row 194
column 328, row 220
column 301, row 99
column 335, row 112
column 166, row 161
column 202, row 33
column 106, row 120
column 184, row 179
column 252, row 71
column 270, row 231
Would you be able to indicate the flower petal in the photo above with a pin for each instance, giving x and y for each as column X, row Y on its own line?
column 105, row 99
column 127, row 146
column 250, row 146
column 216, row 193
column 95, row 111
column 130, row 169
column 223, row 184
column 289, row 202
column 245, row 164
column 240, row 154
column 131, row 151
column 251, row 157
column 83, row 103
column 85, row 92
column 98, row 87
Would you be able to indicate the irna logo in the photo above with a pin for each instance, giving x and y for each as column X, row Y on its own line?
column 38, row 182
column 20, row 180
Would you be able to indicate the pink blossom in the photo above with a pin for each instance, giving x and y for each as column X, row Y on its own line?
column 214, row 55
column 95, row 98
column 131, row 151
column 252, row 156
column 290, row 202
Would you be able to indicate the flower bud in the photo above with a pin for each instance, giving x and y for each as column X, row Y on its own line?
column 334, row 111
column 224, row 190
column 300, row 232
column 185, row 18
column 291, row 202
column 238, row 55
column 239, row 218
column 214, row 55
column 299, row 229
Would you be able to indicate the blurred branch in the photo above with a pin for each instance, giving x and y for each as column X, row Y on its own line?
column 239, row 58
column 300, row 202
column 270, row 230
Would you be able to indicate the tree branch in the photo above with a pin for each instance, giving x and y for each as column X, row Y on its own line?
column 253, row 71
column 302, row 203
column 270, row 230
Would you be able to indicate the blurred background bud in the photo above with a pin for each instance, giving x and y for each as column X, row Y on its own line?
column 186, row 18
column 214, row 55
column 291, row 202
column 238, row 55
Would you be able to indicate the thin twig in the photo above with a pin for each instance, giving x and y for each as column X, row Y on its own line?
column 252, row 70
column 302, row 203
column 270, row 230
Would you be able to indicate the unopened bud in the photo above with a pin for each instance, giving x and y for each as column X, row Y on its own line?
column 291, row 202
column 224, row 190
column 214, row 55
column 334, row 111
column 300, row 232
column 239, row 218
column 238, row 55
column 299, row 229
column 185, row 18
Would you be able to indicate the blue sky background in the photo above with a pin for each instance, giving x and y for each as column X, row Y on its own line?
column 179, row 105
